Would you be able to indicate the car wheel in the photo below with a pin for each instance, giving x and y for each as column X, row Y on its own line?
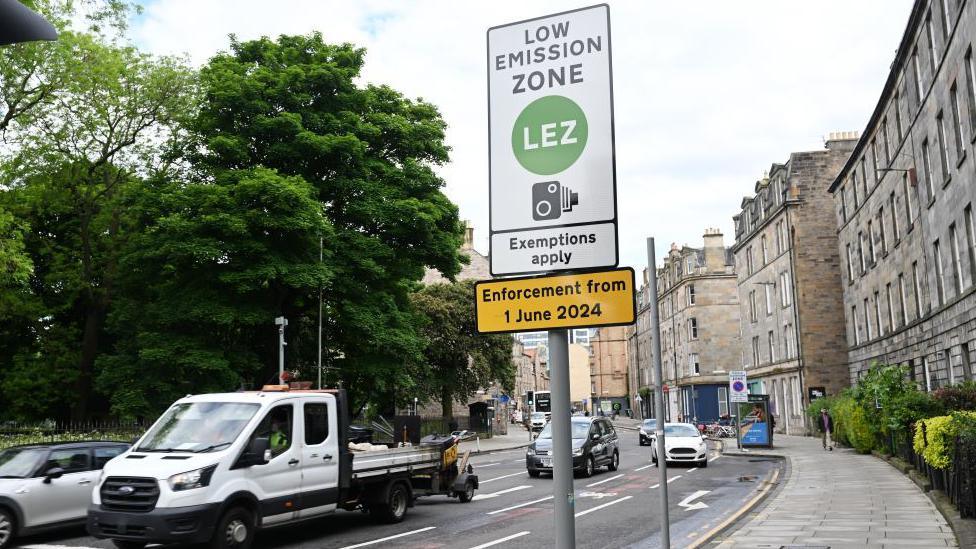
column 533, row 474
column 614, row 462
column 704, row 463
column 7, row 528
column 589, row 467
column 126, row 544
column 468, row 493
column 654, row 457
column 235, row 530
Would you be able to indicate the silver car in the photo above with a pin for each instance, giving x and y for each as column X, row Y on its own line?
column 49, row 486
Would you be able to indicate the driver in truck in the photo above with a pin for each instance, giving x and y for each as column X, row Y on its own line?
column 279, row 436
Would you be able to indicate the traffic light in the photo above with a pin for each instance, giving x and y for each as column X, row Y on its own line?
column 529, row 401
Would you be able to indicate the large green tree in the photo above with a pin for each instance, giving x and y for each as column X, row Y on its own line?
column 84, row 124
column 459, row 360
column 294, row 105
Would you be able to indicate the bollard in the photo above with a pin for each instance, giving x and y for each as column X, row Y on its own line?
column 477, row 440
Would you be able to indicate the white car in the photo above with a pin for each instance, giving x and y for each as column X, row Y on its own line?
column 537, row 421
column 682, row 443
column 49, row 486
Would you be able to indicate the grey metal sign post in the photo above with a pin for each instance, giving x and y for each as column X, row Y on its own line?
column 562, row 441
column 655, row 335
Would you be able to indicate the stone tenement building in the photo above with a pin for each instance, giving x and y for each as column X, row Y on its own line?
column 639, row 375
column 792, row 311
column 608, row 369
column 904, row 205
column 699, row 313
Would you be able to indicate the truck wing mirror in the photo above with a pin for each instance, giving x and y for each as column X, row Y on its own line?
column 258, row 451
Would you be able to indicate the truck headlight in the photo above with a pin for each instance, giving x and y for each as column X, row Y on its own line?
column 192, row 479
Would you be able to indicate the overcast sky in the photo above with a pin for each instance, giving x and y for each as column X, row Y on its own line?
column 708, row 93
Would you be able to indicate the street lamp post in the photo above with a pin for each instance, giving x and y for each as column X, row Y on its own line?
column 281, row 322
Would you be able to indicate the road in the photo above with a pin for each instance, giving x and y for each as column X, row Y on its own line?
column 618, row 509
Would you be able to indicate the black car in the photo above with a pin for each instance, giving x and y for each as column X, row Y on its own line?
column 646, row 431
column 594, row 445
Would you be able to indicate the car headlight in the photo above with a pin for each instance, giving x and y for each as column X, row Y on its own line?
column 643, row 433
column 529, row 452
column 578, row 451
column 192, row 479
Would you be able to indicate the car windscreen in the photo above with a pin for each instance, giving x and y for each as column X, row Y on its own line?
column 198, row 427
column 580, row 430
column 648, row 424
column 20, row 462
column 538, row 415
column 680, row 431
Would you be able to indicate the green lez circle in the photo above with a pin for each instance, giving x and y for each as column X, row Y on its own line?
column 549, row 135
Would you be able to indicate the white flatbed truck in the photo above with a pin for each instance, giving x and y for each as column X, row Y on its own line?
column 216, row 468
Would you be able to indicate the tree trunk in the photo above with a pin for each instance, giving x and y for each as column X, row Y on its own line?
column 86, row 366
column 447, row 403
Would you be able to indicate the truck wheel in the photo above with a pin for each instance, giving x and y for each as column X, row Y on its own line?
column 8, row 527
column 126, row 544
column 468, row 493
column 235, row 530
column 394, row 505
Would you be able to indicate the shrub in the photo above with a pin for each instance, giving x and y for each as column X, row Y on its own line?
column 957, row 398
column 935, row 438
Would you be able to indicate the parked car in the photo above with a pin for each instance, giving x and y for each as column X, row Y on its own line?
column 538, row 420
column 594, row 445
column 647, row 430
column 682, row 443
column 463, row 434
column 48, row 486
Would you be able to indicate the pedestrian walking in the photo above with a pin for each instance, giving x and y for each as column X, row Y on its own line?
column 826, row 424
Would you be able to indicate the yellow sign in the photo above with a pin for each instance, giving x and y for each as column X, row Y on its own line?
column 561, row 301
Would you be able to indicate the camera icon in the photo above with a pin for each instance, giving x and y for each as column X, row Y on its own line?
column 550, row 200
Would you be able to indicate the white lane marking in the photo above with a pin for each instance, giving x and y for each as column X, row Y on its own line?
column 501, row 492
column 605, row 480
column 388, row 538
column 655, row 486
column 714, row 458
column 692, row 470
column 674, row 478
column 520, row 505
column 505, row 476
column 644, row 467
column 598, row 507
column 488, row 465
column 517, row 460
column 503, row 540
column 44, row 546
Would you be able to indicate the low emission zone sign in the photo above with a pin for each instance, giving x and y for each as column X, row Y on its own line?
column 551, row 146
column 585, row 300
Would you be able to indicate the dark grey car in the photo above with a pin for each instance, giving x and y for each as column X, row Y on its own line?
column 595, row 444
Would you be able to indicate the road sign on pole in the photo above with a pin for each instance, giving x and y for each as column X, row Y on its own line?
column 553, row 202
column 738, row 389
column 560, row 301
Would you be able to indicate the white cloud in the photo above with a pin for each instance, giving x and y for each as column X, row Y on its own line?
column 708, row 94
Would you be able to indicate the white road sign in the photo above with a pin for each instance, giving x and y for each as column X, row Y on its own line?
column 551, row 150
column 738, row 389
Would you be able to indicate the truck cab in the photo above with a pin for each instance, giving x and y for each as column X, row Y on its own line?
column 215, row 468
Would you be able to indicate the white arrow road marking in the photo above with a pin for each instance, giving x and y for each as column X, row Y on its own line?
column 503, row 540
column 44, row 546
column 381, row 540
column 605, row 480
column 506, row 491
column 598, row 507
column 686, row 503
column 655, row 486
column 674, row 478
column 501, row 477
column 520, row 505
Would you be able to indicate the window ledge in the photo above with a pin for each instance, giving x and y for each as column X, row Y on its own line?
column 932, row 201
column 948, row 180
column 962, row 158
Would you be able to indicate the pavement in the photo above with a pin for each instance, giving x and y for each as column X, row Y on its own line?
column 840, row 500
column 517, row 437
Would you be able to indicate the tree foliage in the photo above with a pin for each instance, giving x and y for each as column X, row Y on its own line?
column 459, row 360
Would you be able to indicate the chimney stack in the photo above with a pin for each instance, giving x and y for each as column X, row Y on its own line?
column 714, row 250
column 468, row 236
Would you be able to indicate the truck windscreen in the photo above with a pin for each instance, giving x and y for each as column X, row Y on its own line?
column 198, row 427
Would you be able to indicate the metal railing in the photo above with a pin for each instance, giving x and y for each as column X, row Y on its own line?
column 49, row 432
